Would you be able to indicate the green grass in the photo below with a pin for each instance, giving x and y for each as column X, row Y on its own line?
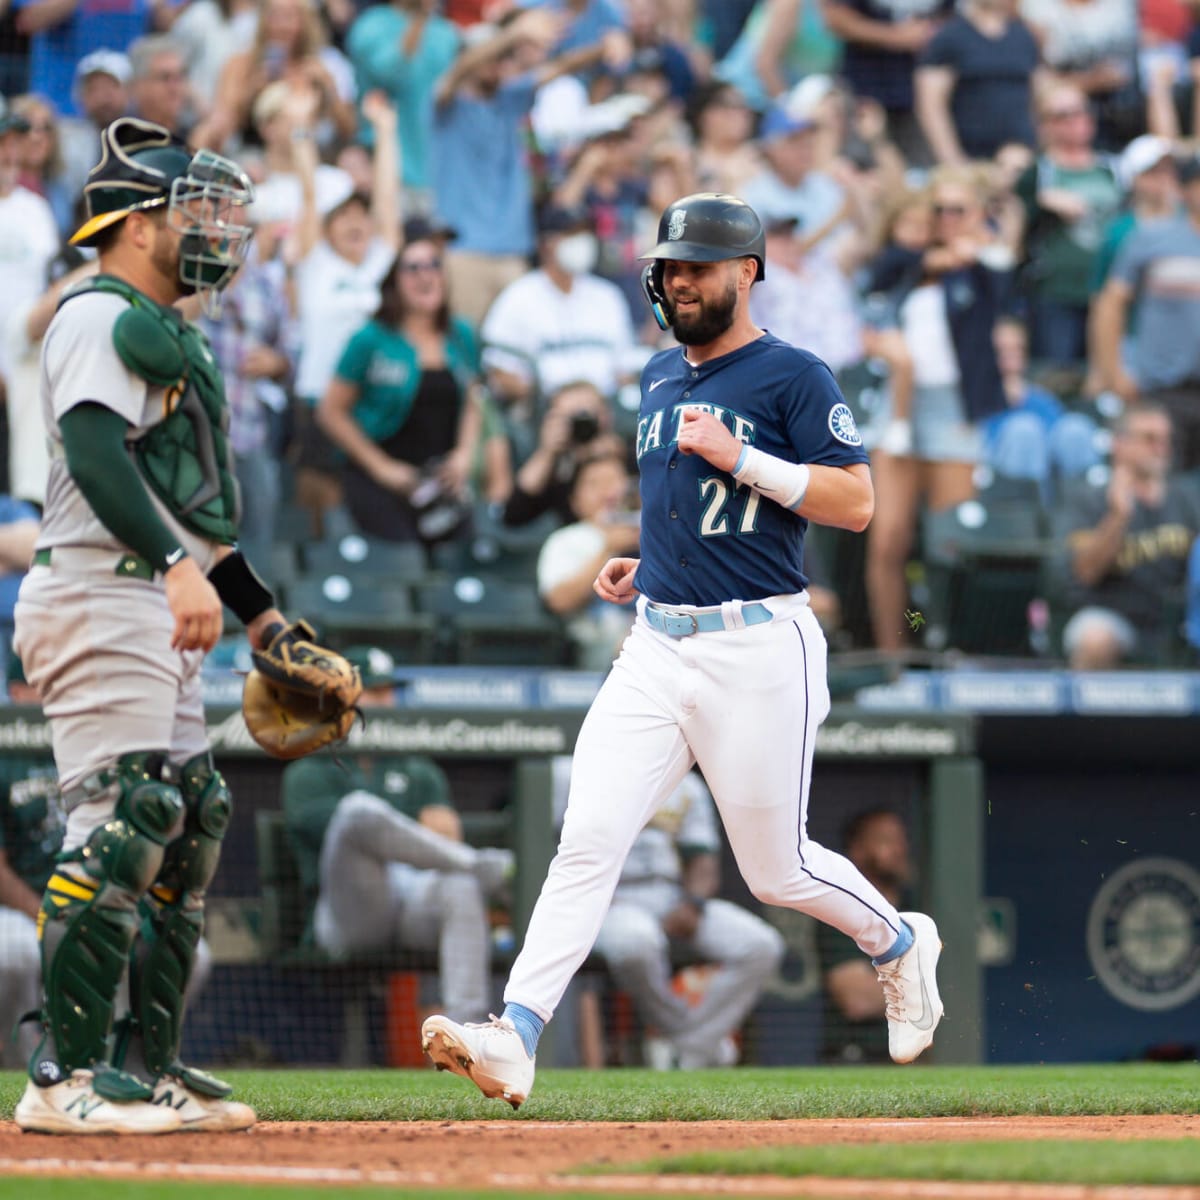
column 1082, row 1162
column 749, row 1094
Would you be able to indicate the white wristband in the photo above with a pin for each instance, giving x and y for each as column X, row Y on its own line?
column 784, row 482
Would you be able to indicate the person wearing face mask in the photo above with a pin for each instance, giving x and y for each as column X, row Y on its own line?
column 558, row 323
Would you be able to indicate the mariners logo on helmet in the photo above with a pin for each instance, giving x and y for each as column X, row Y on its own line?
column 676, row 225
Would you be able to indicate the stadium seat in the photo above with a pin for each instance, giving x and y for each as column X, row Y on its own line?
column 984, row 564
column 347, row 610
column 366, row 558
column 495, row 622
column 499, row 550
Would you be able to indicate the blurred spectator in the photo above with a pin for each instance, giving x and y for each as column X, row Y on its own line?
column 654, row 49
column 945, row 301
column 61, row 35
column 401, row 405
column 28, row 234
column 582, row 23
column 28, row 456
column 1093, row 44
column 382, row 862
column 1068, row 197
column 577, row 426
column 667, row 897
column 855, row 1024
column 345, row 245
column 289, row 45
column 101, row 89
column 606, row 526
column 559, row 322
column 33, row 821
column 1035, row 437
column 482, row 105
column 42, row 169
column 721, row 23
column 781, row 42
column 974, row 80
column 611, row 180
column 403, row 47
column 882, row 40
column 1128, row 547
column 210, row 33
column 791, row 186
column 783, row 301
column 1151, row 183
column 14, row 54
column 254, row 343
column 159, row 89
column 18, row 531
column 722, row 124
column 1158, row 267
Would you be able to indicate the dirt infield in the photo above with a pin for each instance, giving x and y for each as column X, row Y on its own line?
column 530, row 1156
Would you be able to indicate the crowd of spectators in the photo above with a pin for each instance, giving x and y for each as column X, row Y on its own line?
column 989, row 211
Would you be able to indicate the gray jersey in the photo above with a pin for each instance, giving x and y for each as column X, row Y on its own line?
column 80, row 364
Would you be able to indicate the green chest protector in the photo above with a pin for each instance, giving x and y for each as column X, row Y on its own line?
column 185, row 457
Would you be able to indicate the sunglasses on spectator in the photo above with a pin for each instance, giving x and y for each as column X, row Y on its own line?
column 949, row 210
column 421, row 264
column 1065, row 114
column 41, row 127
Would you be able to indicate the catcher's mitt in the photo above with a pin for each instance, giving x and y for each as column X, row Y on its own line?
column 300, row 695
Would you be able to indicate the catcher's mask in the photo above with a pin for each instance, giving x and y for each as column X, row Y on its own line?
column 703, row 227
column 142, row 166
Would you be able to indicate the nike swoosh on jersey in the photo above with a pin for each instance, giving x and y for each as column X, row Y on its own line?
column 654, row 385
column 925, row 1020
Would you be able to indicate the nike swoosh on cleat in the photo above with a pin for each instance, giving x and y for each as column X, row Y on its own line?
column 654, row 385
column 925, row 1021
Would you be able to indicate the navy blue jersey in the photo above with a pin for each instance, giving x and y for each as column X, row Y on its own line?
column 706, row 538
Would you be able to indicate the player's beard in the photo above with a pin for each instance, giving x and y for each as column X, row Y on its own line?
column 166, row 257
column 707, row 322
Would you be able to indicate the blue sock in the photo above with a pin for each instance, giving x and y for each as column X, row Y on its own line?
column 903, row 942
column 529, row 1025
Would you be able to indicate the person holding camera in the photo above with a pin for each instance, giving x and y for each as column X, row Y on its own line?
column 577, row 427
column 400, row 403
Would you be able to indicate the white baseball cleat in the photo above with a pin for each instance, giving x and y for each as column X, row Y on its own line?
column 73, row 1106
column 199, row 1113
column 910, row 991
column 491, row 1055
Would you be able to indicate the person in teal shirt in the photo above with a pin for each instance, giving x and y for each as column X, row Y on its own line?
column 402, row 404
column 402, row 48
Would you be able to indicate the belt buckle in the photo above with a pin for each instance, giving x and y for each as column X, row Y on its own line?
column 676, row 616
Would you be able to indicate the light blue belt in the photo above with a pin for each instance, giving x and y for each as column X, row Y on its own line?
column 678, row 624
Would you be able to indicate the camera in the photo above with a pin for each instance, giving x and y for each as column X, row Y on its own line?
column 584, row 427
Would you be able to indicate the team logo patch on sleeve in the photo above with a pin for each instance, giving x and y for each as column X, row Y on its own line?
column 842, row 426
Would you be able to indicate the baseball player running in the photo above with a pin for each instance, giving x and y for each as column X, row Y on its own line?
column 135, row 558
column 741, row 441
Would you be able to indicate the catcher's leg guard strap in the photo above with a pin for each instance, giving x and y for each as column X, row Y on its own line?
column 172, row 915
column 88, row 918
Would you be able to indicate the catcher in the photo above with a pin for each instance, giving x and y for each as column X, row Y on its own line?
column 136, row 556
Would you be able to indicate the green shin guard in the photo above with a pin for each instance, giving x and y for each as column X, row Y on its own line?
column 88, row 920
column 172, row 920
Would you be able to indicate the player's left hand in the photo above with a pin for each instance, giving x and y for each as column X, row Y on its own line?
column 701, row 433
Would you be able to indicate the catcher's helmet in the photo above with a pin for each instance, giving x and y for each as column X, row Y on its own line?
column 143, row 165
column 703, row 227
column 138, row 163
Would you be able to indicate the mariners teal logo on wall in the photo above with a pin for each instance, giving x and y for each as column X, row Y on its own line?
column 1143, row 934
column 676, row 225
column 842, row 426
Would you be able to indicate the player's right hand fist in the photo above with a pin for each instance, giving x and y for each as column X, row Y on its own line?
column 615, row 581
column 195, row 605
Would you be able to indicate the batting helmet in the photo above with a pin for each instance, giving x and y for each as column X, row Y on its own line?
column 703, row 227
column 710, row 227
column 138, row 163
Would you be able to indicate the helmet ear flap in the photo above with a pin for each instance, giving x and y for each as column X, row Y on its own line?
column 652, row 286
